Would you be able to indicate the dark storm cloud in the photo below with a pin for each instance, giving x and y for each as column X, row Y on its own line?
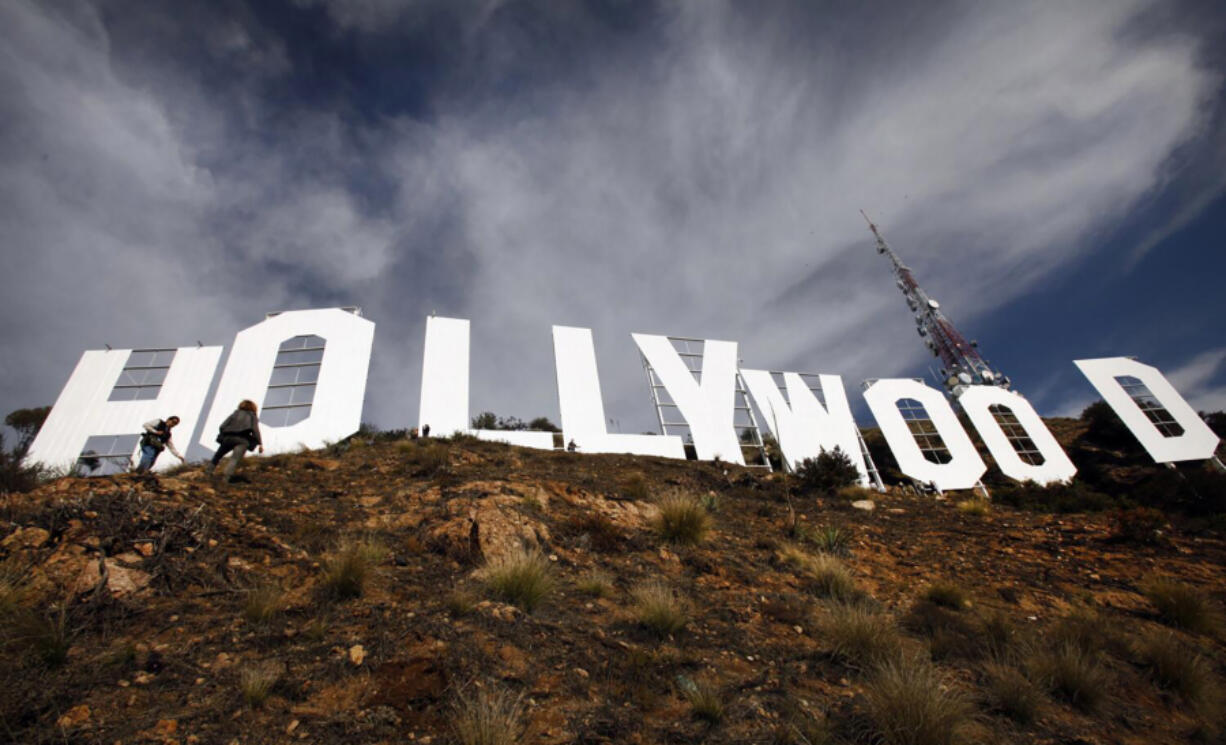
column 172, row 172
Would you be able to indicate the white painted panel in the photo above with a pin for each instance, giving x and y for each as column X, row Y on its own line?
column 975, row 400
column 966, row 467
column 82, row 409
column 336, row 411
column 805, row 428
column 1198, row 442
column 444, row 387
column 444, row 376
column 582, row 406
column 708, row 407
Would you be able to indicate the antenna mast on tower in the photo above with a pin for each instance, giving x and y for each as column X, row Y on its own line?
column 961, row 363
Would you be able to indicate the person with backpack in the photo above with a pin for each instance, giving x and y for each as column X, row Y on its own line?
column 239, row 433
column 154, row 440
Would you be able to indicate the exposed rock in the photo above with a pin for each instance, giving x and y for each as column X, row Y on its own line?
column 26, row 538
column 867, row 505
column 74, row 717
column 357, row 653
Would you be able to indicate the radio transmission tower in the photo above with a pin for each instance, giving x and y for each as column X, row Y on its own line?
column 961, row 363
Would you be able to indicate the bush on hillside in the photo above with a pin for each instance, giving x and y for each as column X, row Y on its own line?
column 1074, row 496
column 1105, row 428
column 828, row 472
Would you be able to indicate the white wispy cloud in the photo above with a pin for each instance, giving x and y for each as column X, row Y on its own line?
column 703, row 182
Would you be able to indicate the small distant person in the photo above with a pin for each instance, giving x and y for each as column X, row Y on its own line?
column 425, row 430
column 413, row 433
column 239, row 433
column 571, row 446
column 154, row 440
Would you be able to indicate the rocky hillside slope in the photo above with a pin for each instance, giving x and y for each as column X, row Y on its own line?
column 370, row 594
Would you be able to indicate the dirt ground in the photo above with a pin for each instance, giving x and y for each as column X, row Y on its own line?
column 150, row 578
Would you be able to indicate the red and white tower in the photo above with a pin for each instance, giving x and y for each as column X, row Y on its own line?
column 961, row 363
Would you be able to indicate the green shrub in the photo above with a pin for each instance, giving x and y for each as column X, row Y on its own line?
column 1139, row 525
column 832, row 540
column 522, row 577
column 828, row 472
column 859, row 637
column 1008, row 691
column 488, row 716
column 658, row 608
column 1180, row 605
column 909, row 703
column 1059, row 497
column 682, row 519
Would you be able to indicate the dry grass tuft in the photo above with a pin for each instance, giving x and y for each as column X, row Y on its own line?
column 828, row 577
column 48, row 635
column 262, row 604
column 976, row 507
column 460, row 603
column 947, row 595
column 705, row 699
column 659, row 608
column 348, row 567
column 1010, row 692
column 682, row 518
column 1175, row 667
column 488, row 716
column 1181, row 605
column 800, row 726
column 522, row 577
column 999, row 631
column 858, row 636
column 909, row 703
column 1074, row 674
column 1084, row 628
column 596, row 583
column 256, row 683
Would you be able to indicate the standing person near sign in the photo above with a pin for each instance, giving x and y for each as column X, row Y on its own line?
column 240, row 432
column 154, row 440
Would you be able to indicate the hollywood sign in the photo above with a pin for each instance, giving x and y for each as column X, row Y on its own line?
column 307, row 369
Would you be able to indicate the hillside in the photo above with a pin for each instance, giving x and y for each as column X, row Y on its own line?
column 176, row 610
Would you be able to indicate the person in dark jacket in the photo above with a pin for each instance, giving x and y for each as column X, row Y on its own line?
column 154, row 440
column 239, row 433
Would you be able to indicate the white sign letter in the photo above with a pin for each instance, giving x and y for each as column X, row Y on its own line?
column 804, row 429
column 113, row 392
column 306, row 370
column 708, row 407
column 965, row 467
column 582, row 406
column 444, row 387
column 977, row 400
column 1197, row 441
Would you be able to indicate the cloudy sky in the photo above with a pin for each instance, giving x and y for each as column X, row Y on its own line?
column 1054, row 173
